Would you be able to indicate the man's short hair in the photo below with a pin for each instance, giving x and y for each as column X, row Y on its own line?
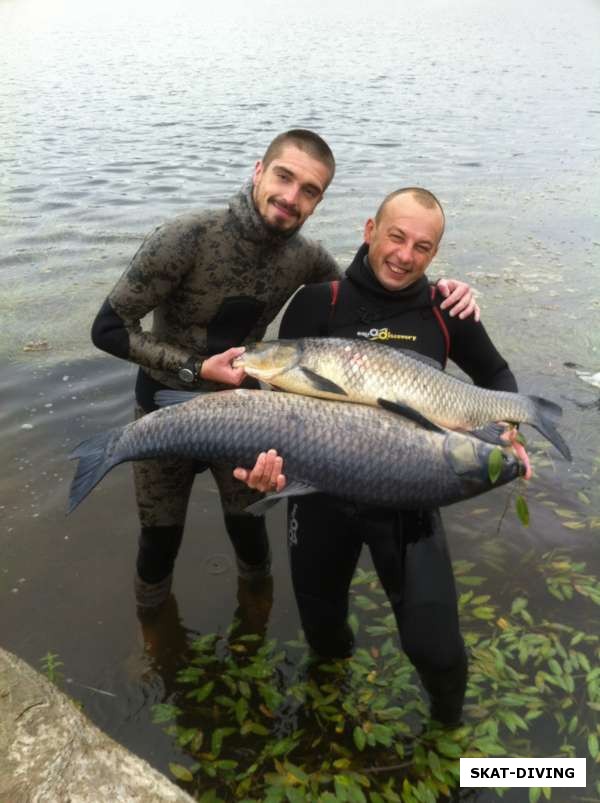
column 422, row 196
column 306, row 141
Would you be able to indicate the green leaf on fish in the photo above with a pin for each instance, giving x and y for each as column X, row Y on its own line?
column 522, row 510
column 495, row 464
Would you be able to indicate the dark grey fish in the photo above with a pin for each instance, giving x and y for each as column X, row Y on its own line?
column 350, row 450
column 372, row 373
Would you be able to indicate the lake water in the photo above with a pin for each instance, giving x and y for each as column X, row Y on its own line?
column 117, row 115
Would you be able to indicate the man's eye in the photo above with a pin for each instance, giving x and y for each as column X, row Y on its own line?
column 423, row 249
column 310, row 192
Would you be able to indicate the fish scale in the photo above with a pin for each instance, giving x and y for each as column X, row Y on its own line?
column 352, row 451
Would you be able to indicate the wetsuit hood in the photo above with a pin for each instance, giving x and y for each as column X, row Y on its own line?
column 361, row 274
column 241, row 205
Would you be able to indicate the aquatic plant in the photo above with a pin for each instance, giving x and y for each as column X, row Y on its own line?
column 51, row 664
column 261, row 721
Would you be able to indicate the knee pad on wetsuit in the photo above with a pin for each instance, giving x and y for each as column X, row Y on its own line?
column 157, row 551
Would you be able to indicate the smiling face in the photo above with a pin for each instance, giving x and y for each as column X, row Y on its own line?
column 403, row 241
column 288, row 189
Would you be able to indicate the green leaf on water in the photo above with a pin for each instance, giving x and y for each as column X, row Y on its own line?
column 181, row 773
column 210, row 797
column 162, row 712
column 360, row 738
column 495, row 461
column 522, row 510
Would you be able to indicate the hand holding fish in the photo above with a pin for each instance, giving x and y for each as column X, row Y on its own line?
column 266, row 475
column 218, row 368
column 458, row 296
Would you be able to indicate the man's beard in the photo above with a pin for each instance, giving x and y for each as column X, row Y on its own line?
column 274, row 228
column 277, row 230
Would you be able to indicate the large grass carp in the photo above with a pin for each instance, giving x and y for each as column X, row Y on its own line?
column 349, row 450
column 372, row 373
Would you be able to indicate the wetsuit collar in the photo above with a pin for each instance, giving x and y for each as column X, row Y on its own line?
column 361, row 273
column 245, row 214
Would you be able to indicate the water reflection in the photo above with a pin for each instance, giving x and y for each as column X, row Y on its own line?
column 167, row 640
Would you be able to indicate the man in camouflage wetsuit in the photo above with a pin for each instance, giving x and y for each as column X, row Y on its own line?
column 214, row 280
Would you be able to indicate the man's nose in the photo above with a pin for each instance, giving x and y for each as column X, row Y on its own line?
column 290, row 194
column 404, row 252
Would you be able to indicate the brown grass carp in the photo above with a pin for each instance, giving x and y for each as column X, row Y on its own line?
column 350, row 450
column 372, row 373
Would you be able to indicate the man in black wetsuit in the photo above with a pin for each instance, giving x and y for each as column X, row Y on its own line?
column 213, row 281
column 385, row 296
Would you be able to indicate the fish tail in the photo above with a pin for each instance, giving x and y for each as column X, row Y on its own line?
column 96, row 458
column 545, row 413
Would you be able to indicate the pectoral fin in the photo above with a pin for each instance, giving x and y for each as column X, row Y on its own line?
column 490, row 433
column 291, row 489
column 321, row 383
column 410, row 413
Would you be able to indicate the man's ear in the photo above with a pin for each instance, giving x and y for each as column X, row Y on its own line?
column 258, row 170
column 369, row 227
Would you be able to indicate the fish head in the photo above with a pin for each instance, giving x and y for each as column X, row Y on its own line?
column 269, row 358
column 470, row 457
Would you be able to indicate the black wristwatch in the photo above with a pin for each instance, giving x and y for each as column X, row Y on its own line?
column 190, row 371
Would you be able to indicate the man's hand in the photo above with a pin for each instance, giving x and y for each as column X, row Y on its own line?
column 266, row 474
column 459, row 297
column 218, row 368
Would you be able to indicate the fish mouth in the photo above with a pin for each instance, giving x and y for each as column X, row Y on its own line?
column 265, row 360
column 469, row 459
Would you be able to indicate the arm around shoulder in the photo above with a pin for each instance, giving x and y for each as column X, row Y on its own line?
column 472, row 349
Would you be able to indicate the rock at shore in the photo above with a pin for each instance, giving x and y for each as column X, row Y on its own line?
column 51, row 753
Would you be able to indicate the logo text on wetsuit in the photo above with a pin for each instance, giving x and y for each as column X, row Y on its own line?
column 385, row 334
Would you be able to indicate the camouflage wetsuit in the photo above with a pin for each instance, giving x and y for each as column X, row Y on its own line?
column 213, row 280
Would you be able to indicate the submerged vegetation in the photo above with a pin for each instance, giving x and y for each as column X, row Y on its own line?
column 259, row 721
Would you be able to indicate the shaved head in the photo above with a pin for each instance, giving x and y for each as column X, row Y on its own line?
column 421, row 196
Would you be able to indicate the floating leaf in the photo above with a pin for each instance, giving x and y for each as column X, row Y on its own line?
column 565, row 514
column 360, row 738
column 162, row 712
column 180, row 772
column 210, row 797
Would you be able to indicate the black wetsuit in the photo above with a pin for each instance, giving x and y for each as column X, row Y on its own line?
column 409, row 551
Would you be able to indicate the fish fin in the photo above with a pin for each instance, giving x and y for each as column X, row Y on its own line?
column 545, row 414
column 165, row 398
column 291, row 489
column 95, row 460
column 410, row 413
column 490, row 433
column 321, row 382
